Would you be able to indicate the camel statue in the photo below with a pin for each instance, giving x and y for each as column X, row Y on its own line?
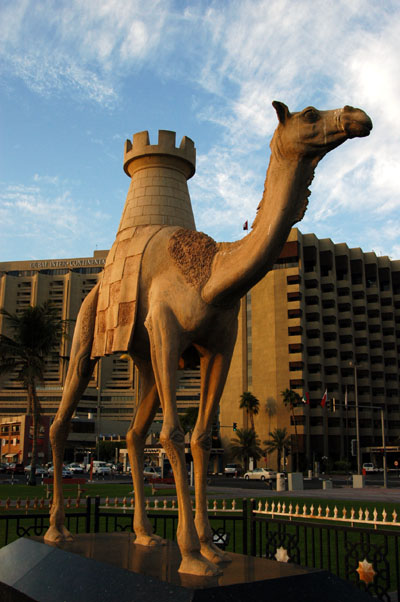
column 182, row 290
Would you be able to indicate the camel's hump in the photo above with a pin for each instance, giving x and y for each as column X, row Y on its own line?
column 193, row 252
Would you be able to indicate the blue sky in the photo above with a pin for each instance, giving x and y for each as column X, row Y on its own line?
column 78, row 77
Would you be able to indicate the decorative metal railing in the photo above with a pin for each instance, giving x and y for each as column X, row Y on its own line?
column 352, row 516
column 360, row 547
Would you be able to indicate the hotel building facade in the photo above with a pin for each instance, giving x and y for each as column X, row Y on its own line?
column 324, row 317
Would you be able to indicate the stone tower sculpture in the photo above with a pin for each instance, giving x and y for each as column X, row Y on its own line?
column 168, row 292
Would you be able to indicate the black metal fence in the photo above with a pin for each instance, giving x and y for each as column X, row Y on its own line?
column 367, row 557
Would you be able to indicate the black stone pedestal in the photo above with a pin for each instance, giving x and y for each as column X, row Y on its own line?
column 102, row 567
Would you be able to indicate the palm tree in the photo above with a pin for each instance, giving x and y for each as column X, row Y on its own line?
column 291, row 399
column 246, row 445
column 35, row 333
column 189, row 418
column 279, row 442
column 270, row 408
column 251, row 405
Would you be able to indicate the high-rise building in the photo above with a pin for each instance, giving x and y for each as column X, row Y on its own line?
column 324, row 317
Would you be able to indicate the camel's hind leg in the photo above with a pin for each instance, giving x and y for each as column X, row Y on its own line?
column 79, row 372
column 214, row 369
column 165, row 334
column 135, row 440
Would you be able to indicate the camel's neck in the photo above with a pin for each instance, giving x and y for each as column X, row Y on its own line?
column 240, row 265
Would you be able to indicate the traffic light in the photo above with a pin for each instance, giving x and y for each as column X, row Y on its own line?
column 234, row 426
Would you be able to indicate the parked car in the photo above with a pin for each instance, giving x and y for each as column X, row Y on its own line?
column 3, row 467
column 99, row 467
column 369, row 467
column 262, row 474
column 16, row 468
column 232, row 469
column 40, row 470
column 75, row 468
column 152, row 472
column 66, row 474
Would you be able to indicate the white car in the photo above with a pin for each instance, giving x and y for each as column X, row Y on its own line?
column 369, row 467
column 261, row 474
column 39, row 470
column 75, row 468
column 65, row 472
column 152, row 472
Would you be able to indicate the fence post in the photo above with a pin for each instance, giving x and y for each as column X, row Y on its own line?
column 88, row 513
column 253, row 551
column 245, row 518
column 96, row 514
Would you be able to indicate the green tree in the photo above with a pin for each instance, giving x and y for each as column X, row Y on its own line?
column 279, row 442
column 270, row 408
column 188, row 419
column 34, row 334
column 291, row 399
column 245, row 445
column 251, row 404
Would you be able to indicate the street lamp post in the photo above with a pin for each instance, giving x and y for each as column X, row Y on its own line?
column 383, row 448
column 354, row 366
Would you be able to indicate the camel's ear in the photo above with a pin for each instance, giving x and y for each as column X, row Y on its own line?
column 281, row 110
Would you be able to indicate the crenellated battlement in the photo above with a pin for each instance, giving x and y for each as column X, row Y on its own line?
column 183, row 156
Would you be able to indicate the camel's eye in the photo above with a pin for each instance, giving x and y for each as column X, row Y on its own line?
column 311, row 115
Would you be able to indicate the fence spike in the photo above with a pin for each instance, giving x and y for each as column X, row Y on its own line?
column 8, row 502
column 327, row 511
column 42, row 503
column 335, row 512
column 384, row 515
column 116, row 502
column 132, row 502
column 156, row 504
column 312, row 510
column 283, row 507
column 304, row 510
column 259, row 506
column 107, row 502
column 279, row 507
column 266, row 506
column 165, row 503
column 147, row 503
column 233, row 504
column 394, row 514
column 319, row 510
column 124, row 502
column 366, row 514
column 290, row 508
column 18, row 503
column 173, row 503
column 360, row 514
column 215, row 505
column 297, row 509
column 344, row 512
column 223, row 504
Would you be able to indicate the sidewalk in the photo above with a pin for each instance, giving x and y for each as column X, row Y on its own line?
column 369, row 494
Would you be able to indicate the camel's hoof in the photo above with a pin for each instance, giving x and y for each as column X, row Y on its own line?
column 196, row 564
column 214, row 554
column 150, row 540
column 57, row 535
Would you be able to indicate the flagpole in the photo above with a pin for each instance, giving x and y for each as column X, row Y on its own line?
column 354, row 365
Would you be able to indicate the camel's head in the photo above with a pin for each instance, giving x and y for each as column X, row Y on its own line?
column 312, row 133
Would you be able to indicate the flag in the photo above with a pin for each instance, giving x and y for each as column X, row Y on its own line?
column 306, row 398
column 345, row 398
column 324, row 398
column 246, row 225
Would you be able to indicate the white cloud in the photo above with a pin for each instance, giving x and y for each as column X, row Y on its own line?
column 47, row 215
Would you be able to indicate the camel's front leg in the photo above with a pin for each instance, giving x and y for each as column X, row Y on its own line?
column 78, row 376
column 214, row 369
column 135, row 440
column 164, row 336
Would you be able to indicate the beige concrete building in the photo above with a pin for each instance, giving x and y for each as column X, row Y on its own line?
column 321, row 307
